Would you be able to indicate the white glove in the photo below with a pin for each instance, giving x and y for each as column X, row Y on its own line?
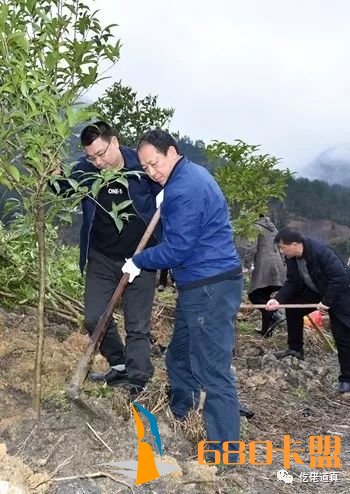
column 159, row 198
column 130, row 268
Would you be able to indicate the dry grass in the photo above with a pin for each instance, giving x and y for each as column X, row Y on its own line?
column 193, row 426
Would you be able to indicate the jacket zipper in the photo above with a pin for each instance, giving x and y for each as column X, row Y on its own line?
column 133, row 205
column 89, row 235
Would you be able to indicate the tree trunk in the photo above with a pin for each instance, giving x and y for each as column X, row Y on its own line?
column 40, row 235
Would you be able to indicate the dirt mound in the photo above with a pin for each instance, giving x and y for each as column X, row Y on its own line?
column 17, row 478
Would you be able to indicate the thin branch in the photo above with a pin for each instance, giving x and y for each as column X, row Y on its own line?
column 65, row 303
column 194, row 481
column 71, row 299
column 99, row 437
column 60, row 466
column 51, row 476
column 7, row 294
column 87, row 476
column 336, row 402
column 53, row 449
column 23, row 445
column 63, row 316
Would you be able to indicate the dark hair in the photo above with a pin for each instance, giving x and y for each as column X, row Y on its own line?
column 97, row 129
column 160, row 139
column 288, row 236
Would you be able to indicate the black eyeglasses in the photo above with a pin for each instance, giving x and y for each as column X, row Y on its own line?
column 101, row 154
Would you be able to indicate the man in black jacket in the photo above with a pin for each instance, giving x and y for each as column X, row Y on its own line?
column 105, row 249
column 315, row 274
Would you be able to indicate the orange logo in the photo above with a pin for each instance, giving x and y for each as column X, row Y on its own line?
column 146, row 467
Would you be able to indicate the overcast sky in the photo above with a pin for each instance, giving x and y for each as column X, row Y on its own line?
column 270, row 72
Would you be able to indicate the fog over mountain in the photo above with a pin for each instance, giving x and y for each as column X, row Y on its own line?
column 332, row 165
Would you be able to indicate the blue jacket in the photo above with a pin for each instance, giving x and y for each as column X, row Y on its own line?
column 142, row 191
column 197, row 238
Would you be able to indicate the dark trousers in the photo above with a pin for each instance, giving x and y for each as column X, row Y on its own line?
column 340, row 330
column 200, row 356
column 163, row 277
column 261, row 296
column 102, row 277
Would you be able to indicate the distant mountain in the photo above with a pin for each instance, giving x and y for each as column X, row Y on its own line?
column 332, row 165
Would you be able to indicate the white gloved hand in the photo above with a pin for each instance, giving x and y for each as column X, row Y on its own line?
column 159, row 198
column 130, row 268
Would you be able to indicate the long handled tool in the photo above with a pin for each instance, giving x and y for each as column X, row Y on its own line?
column 73, row 390
column 325, row 338
column 281, row 306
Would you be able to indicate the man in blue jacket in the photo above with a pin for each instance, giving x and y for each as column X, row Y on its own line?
column 105, row 249
column 315, row 274
column 198, row 246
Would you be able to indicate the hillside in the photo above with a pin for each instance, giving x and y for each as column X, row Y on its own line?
column 288, row 397
column 332, row 233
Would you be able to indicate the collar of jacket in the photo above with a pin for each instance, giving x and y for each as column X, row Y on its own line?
column 306, row 249
column 177, row 168
column 131, row 160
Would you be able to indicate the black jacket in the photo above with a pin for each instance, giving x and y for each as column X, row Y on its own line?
column 142, row 191
column 329, row 274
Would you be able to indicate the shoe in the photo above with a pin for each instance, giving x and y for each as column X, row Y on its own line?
column 266, row 334
column 289, row 353
column 113, row 377
column 343, row 387
column 161, row 288
column 246, row 412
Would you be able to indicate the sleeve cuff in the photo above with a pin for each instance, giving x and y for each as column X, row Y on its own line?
column 136, row 261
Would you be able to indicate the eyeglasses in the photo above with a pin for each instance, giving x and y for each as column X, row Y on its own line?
column 101, row 154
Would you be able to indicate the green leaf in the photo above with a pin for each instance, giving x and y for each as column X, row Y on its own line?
column 73, row 183
column 66, row 217
column 96, row 187
column 118, row 224
column 13, row 171
column 5, row 182
column 55, row 184
column 122, row 205
column 114, row 215
column 123, row 181
column 24, row 89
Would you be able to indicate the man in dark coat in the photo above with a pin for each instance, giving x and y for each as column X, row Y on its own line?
column 104, row 249
column 315, row 274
